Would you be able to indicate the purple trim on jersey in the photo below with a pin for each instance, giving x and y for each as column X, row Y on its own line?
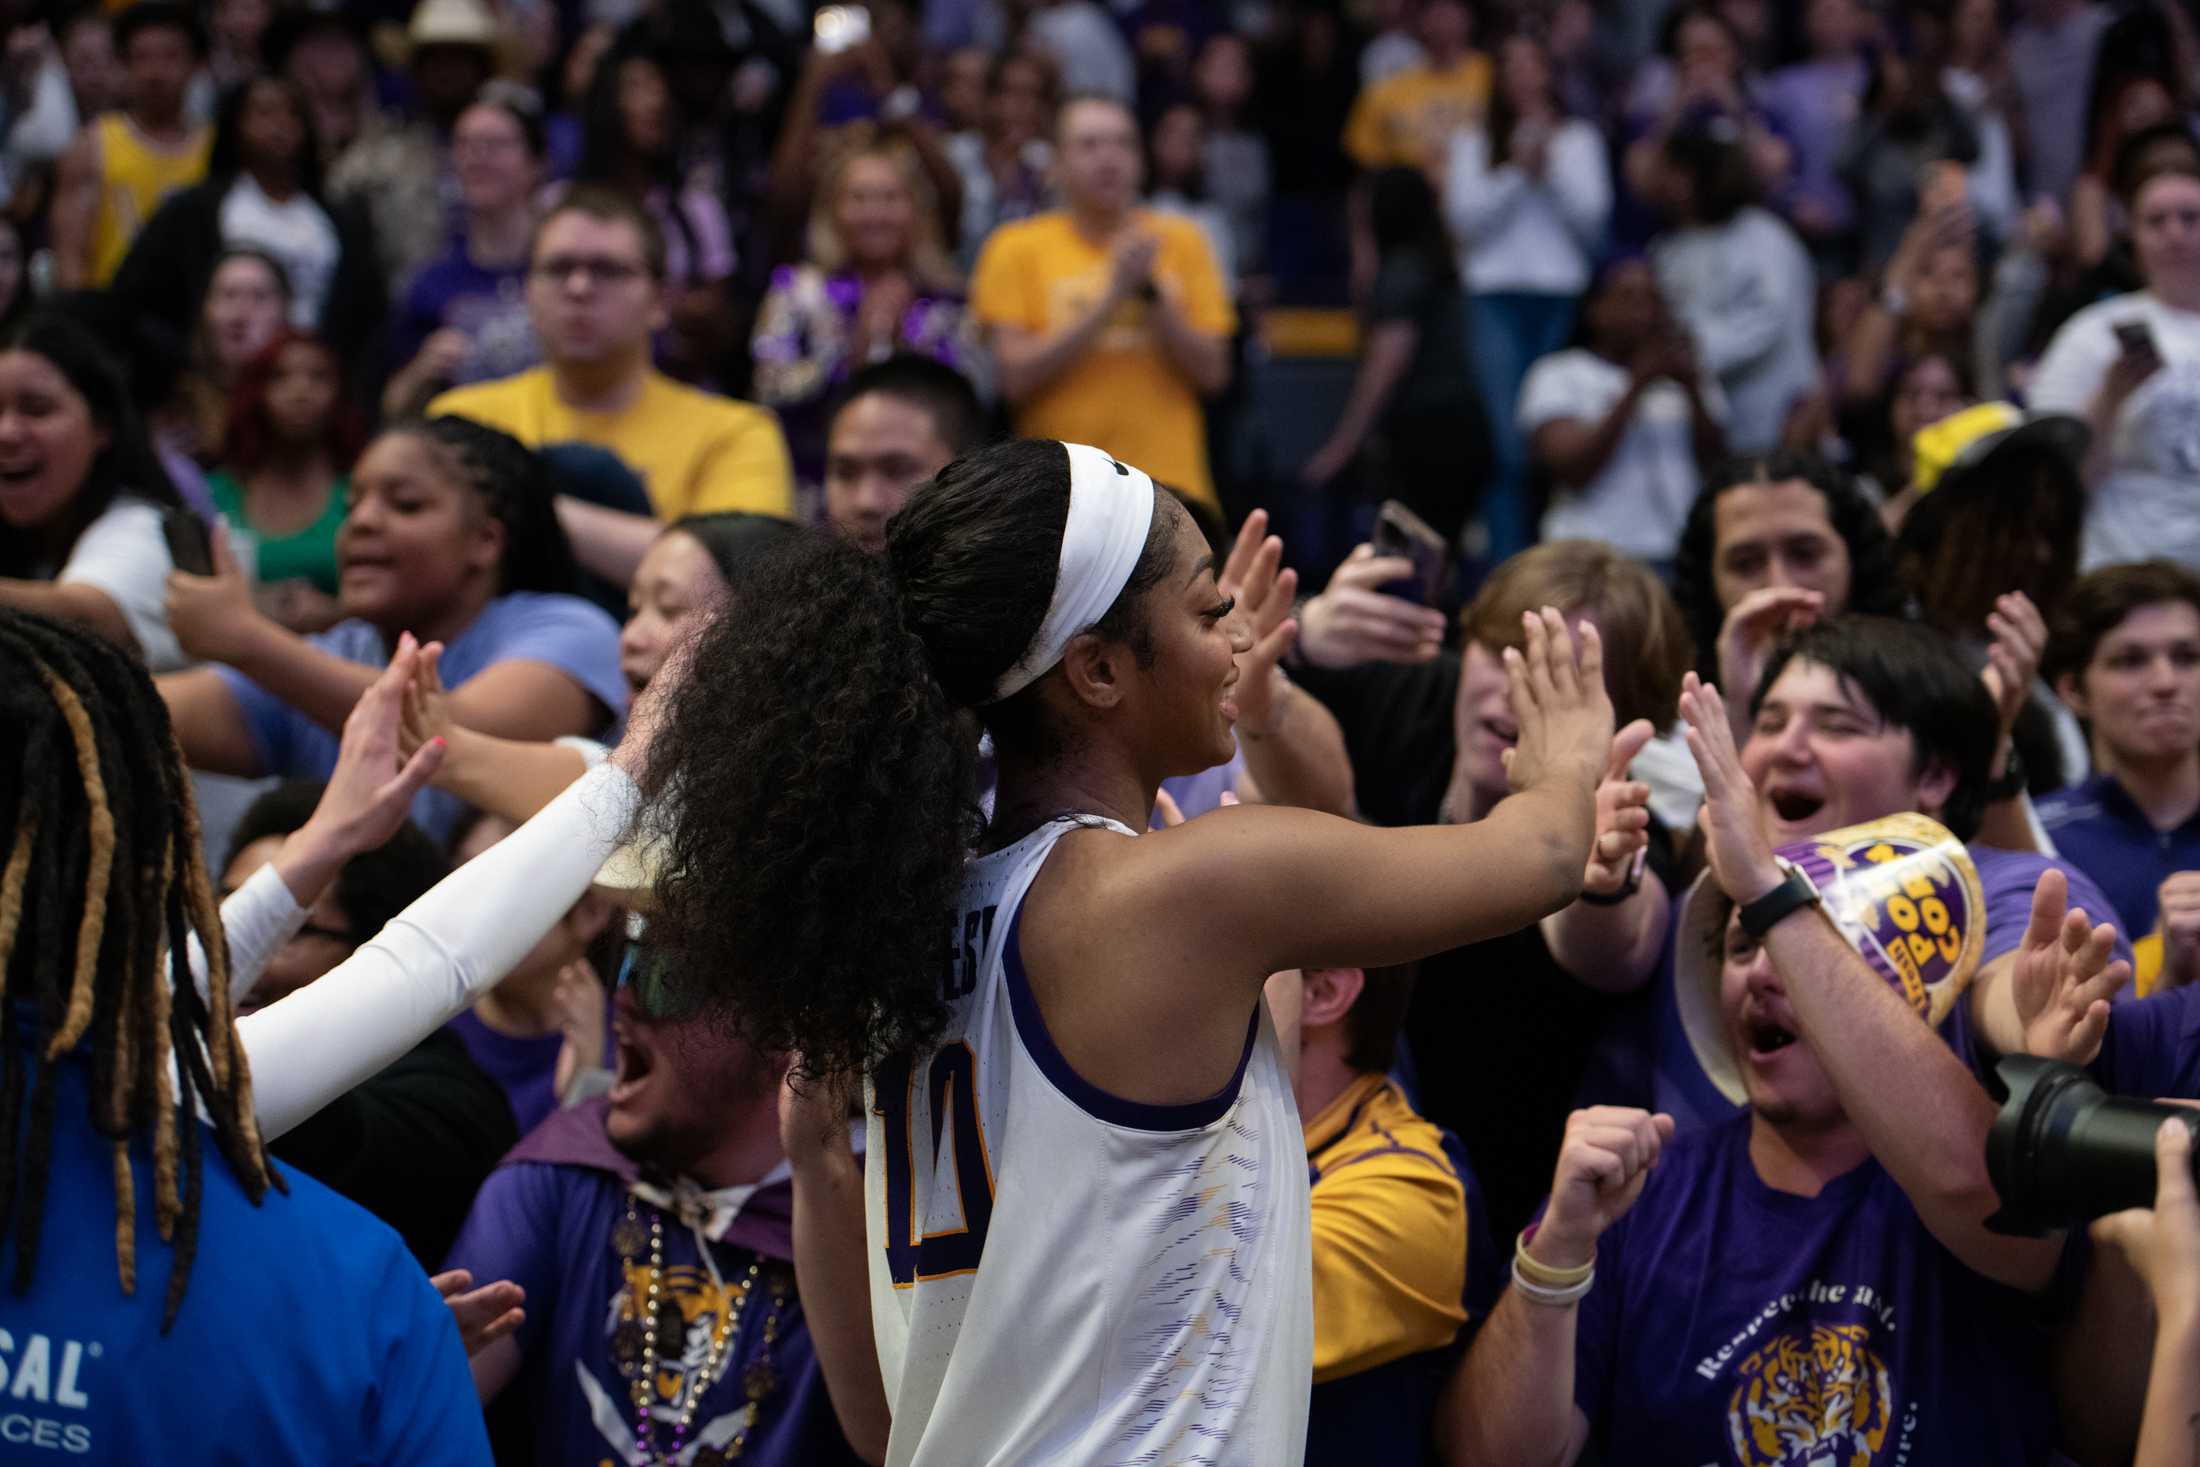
column 1113, row 1110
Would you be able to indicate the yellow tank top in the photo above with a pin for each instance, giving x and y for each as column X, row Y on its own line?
column 134, row 176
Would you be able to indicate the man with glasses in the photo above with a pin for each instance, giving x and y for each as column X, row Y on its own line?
column 595, row 293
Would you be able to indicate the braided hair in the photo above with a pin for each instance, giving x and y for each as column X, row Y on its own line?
column 102, row 886
column 515, row 488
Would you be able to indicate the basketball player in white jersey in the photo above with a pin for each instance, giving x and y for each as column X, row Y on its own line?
column 1088, row 1233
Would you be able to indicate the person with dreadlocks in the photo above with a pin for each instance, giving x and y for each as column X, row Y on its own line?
column 450, row 535
column 278, row 1317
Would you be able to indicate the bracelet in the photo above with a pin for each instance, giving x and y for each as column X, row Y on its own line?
column 1535, row 1271
column 1550, row 1298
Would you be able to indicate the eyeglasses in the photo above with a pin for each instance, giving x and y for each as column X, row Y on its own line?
column 310, row 929
column 599, row 269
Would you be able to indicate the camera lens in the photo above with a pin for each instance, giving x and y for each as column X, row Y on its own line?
column 2062, row 1151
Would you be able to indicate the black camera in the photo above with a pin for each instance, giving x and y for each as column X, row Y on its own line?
column 2063, row 1151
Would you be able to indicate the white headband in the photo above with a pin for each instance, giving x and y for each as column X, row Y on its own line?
column 1110, row 513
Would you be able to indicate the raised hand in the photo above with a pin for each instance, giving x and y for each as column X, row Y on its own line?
column 1623, row 815
column 484, row 1315
column 2163, row 1242
column 1264, row 591
column 1602, row 1166
column 214, row 617
column 579, row 1005
column 1353, row 620
column 1734, row 833
column 2064, row 978
column 371, row 789
column 426, row 714
column 1559, row 701
column 1754, row 625
column 2180, row 921
column 2019, row 637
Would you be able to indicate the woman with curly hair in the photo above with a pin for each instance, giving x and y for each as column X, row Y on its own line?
column 1080, row 1130
column 449, row 534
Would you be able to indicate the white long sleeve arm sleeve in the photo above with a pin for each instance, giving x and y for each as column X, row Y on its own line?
column 435, row 957
column 258, row 918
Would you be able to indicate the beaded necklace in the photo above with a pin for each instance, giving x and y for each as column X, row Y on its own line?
column 653, row 1328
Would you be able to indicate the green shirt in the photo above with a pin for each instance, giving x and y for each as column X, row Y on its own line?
column 308, row 555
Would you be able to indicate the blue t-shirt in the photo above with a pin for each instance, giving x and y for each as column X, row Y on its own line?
column 2006, row 879
column 1736, row 1325
column 577, row 638
column 550, row 1229
column 307, row 1333
column 2096, row 826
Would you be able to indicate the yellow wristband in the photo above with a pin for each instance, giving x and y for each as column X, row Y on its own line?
column 1537, row 1272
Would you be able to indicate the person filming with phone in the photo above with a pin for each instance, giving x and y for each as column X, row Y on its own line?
column 2130, row 366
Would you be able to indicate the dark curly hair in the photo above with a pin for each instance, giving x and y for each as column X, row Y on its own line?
column 1875, row 585
column 811, row 781
column 511, row 481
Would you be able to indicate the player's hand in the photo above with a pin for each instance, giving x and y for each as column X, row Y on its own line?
column 1264, row 591
column 1558, row 700
column 370, row 791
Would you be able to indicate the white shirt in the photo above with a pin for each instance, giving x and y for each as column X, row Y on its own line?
column 296, row 232
column 1746, row 292
column 124, row 554
column 1640, row 499
column 1097, row 1281
column 2148, row 503
column 1534, row 236
column 1089, row 49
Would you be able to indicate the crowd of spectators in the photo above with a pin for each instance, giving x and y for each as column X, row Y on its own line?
column 455, row 363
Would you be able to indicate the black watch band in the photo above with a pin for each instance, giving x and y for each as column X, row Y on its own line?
column 1758, row 917
column 2012, row 782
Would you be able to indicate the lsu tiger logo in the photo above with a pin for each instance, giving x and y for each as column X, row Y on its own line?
column 1822, row 1402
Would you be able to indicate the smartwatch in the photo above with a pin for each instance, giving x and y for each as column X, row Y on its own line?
column 1760, row 916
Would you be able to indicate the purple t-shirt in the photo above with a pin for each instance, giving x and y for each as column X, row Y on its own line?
column 2006, row 879
column 548, row 1228
column 524, row 1066
column 489, row 306
column 576, row 637
column 1735, row 1325
column 2152, row 1047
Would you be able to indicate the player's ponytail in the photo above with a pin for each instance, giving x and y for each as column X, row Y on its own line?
column 812, row 781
